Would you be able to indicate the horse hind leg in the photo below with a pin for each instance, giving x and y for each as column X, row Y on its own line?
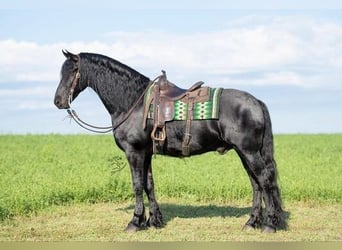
column 265, row 176
column 256, row 218
column 274, row 214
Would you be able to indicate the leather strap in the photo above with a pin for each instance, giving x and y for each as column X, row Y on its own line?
column 187, row 135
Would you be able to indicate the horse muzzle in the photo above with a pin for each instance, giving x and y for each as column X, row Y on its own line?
column 61, row 103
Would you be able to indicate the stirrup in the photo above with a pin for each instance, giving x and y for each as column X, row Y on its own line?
column 160, row 135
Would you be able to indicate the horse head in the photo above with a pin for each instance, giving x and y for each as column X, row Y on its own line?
column 69, row 86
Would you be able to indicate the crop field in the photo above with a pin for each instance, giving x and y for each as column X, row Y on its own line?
column 46, row 179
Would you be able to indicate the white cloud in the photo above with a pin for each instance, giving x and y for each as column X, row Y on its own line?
column 26, row 92
column 270, row 78
column 281, row 47
column 253, row 50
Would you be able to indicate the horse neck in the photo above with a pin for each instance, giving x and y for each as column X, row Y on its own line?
column 117, row 85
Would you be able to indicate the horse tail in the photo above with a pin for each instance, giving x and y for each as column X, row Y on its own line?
column 267, row 149
column 267, row 153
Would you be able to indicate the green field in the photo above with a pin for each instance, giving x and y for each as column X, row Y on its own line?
column 41, row 171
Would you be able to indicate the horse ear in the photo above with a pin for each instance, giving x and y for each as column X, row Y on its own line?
column 70, row 55
column 65, row 53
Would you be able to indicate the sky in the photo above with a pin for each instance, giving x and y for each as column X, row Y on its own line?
column 285, row 53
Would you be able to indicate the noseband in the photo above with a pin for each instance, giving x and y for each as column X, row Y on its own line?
column 76, row 79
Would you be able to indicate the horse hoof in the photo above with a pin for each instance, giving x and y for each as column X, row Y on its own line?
column 248, row 227
column 156, row 223
column 268, row 229
column 131, row 228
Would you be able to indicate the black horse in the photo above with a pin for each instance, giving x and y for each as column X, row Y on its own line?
column 244, row 125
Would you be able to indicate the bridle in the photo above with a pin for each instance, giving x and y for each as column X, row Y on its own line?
column 72, row 113
column 97, row 129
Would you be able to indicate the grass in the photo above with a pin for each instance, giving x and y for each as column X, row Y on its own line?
column 185, row 221
column 39, row 173
column 310, row 167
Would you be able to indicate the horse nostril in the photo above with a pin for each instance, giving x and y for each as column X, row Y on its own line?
column 57, row 101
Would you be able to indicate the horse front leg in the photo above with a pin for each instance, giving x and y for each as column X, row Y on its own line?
column 136, row 161
column 156, row 218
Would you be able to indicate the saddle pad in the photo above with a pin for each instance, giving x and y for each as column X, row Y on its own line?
column 202, row 110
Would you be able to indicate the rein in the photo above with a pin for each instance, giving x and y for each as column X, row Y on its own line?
column 96, row 129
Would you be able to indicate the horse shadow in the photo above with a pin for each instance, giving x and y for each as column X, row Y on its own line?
column 171, row 211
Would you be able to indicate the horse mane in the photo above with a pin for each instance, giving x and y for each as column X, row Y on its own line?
column 111, row 64
column 117, row 84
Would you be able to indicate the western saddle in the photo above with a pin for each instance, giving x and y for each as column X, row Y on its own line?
column 162, row 97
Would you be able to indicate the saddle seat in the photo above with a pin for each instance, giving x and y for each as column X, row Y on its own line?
column 170, row 91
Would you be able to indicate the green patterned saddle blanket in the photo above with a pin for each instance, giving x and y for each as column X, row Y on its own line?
column 201, row 110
